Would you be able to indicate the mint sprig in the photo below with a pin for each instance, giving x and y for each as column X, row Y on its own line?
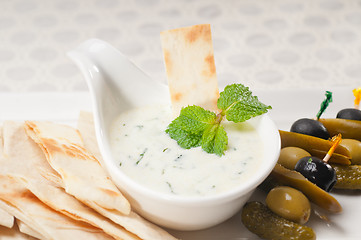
column 238, row 104
column 196, row 126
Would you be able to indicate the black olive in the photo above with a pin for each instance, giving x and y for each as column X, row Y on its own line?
column 349, row 113
column 310, row 127
column 317, row 172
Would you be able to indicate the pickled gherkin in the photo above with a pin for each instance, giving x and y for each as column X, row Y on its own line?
column 315, row 146
column 267, row 225
column 348, row 128
column 348, row 177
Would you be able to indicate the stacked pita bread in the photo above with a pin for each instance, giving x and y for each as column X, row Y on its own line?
column 56, row 189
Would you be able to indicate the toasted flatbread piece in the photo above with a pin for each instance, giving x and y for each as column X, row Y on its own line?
column 86, row 129
column 191, row 71
column 81, row 172
column 26, row 161
column 132, row 222
column 14, row 210
column 6, row 219
column 21, row 203
column 57, row 199
column 15, row 234
column 28, row 230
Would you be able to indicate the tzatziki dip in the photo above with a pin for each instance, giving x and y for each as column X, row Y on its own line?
column 145, row 152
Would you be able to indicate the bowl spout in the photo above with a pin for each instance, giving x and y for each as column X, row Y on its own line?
column 106, row 69
column 115, row 84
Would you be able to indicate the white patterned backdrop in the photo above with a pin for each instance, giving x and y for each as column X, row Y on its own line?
column 262, row 43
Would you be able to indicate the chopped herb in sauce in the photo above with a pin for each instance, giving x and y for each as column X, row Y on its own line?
column 170, row 187
column 140, row 126
column 141, row 156
column 179, row 156
column 179, row 167
column 165, row 149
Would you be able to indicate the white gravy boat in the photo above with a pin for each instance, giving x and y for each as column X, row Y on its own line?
column 116, row 85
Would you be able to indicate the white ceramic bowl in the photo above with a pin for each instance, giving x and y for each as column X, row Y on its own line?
column 116, row 85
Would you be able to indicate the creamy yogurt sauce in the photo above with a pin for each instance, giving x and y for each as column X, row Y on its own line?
column 147, row 154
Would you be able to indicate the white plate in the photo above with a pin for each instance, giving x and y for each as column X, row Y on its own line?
column 288, row 105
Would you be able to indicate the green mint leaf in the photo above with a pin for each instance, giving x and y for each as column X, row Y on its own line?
column 188, row 128
column 208, row 138
column 220, row 141
column 195, row 119
column 238, row 104
column 214, row 139
column 184, row 139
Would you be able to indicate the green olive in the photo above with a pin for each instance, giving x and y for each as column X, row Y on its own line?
column 323, row 199
column 289, row 156
column 354, row 147
column 289, row 203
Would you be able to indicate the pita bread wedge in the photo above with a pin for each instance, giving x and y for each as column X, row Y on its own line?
column 24, row 205
column 81, row 172
column 132, row 222
column 25, row 161
column 14, row 234
column 86, row 128
column 28, row 230
column 191, row 72
column 15, row 211
column 57, row 199
column 6, row 219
